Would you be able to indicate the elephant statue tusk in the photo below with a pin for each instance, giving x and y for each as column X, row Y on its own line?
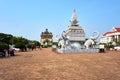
column 95, row 35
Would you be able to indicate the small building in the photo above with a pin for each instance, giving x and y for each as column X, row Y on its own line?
column 46, row 38
column 111, row 36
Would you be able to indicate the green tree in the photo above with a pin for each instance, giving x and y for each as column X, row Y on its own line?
column 20, row 45
column 5, row 37
column 3, row 46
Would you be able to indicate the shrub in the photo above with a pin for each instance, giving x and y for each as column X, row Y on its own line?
column 3, row 46
column 20, row 45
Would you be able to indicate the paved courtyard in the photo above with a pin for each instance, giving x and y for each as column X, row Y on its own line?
column 47, row 65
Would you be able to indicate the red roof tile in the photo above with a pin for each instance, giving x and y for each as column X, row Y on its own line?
column 107, row 33
column 117, row 29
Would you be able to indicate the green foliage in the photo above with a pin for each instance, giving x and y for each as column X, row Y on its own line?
column 2, row 35
column 5, row 37
column 29, row 46
column 3, row 46
column 36, row 43
column 118, row 42
column 20, row 45
column 13, row 40
column 19, row 42
column 108, row 45
column 55, row 43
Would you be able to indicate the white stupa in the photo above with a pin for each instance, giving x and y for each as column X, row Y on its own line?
column 75, row 32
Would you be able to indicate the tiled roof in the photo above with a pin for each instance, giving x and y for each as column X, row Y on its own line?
column 107, row 33
column 116, row 30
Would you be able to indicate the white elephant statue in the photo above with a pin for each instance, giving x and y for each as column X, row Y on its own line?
column 63, row 42
column 91, row 41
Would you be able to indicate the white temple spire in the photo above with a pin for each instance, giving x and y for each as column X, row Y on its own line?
column 74, row 18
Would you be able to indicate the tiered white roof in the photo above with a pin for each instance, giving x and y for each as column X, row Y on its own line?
column 74, row 31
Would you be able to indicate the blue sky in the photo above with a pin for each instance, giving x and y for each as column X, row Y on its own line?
column 28, row 18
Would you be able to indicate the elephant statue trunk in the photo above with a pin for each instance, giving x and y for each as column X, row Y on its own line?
column 91, row 41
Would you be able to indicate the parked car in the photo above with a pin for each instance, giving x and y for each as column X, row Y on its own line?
column 117, row 47
column 9, row 52
column 2, row 53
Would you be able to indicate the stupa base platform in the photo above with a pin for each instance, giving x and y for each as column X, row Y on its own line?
column 96, row 50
